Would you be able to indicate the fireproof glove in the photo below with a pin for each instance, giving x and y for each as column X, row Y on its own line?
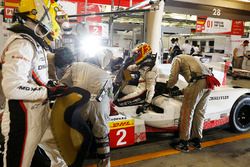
column 56, row 91
column 177, row 92
column 141, row 109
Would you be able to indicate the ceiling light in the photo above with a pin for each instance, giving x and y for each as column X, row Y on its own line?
column 245, row 0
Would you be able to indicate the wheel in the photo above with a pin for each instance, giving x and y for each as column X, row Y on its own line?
column 240, row 114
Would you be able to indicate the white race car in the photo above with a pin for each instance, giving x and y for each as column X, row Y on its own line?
column 225, row 105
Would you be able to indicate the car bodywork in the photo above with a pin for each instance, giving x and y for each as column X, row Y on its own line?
column 220, row 107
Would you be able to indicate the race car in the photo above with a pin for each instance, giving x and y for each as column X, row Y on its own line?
column 225, row 105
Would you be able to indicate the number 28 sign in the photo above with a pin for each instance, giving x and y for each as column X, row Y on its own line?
column 121, row 133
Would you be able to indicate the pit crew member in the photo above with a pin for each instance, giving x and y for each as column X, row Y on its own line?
column 200, row 82
column 25, row 78
column 92, row 77
column 239, row 53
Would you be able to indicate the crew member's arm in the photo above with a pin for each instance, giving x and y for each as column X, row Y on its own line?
column 235, row 52
column 174, row 73
column 133, row 67
column 150, row 84
column 16, row 70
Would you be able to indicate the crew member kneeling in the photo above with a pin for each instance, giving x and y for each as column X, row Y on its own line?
column 98, row 82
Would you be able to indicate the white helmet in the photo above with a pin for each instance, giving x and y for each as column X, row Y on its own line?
column 67, row 28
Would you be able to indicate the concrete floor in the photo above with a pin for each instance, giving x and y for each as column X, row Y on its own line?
column 225, row 155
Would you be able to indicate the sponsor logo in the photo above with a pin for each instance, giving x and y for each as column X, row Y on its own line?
column 118, row 118
column 35, row 106
column 42, row 59
column 28, row 88
column 20, row 57
column 40, row 67
column 219, row 98
column 121, row 124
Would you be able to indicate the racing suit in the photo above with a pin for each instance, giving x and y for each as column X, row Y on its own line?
column 147, row 83
column 239, row 53
column 26, row 114
column 92, row 78
column 2, row 99
column 195, row 95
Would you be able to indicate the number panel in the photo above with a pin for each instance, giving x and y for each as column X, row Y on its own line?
column 122, row 137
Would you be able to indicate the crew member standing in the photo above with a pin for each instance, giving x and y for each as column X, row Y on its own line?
column 200, row 81
column 186, row 48
column 25, row 78
column 239, row 53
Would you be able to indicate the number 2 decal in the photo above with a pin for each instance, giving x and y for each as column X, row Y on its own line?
column 124, row 133
column 95, row 30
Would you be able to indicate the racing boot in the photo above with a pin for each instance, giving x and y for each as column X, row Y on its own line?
column 196, row 143
column 103, row 152
column 182, row 146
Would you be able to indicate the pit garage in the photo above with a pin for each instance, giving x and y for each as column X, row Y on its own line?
column 214, row 32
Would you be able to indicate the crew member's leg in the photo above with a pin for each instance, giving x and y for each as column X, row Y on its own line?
column 99, row 115
column 23, row 125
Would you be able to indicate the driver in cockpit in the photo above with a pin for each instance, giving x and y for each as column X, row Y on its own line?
column 144, row 62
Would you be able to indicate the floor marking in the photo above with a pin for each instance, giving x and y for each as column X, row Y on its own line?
column 158, row 154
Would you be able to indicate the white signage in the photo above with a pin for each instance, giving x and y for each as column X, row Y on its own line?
column 214, row 25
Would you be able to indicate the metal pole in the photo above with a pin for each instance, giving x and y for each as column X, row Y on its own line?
column 85, row 9
column 110, row 13
column 111, row 24
column 144, row 28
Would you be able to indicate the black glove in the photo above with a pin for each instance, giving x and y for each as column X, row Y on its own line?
column 173, row 93
column 56, row 91
column 52, row 83
column 141, row 109
column 160, row 88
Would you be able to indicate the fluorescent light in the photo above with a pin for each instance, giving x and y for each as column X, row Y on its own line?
column 245, row 0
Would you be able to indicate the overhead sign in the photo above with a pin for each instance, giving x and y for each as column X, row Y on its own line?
column 219, row 26
column 214, row 8
column 126, row 3
column 8, row 12
column 9, row 6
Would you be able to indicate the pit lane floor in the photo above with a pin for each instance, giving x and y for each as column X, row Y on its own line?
column 221, row 148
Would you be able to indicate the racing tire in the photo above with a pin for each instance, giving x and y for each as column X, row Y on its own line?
column 240, row 114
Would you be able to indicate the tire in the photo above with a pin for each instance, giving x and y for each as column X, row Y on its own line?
column 240, row 114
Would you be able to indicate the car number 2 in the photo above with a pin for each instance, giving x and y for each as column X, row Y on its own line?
column 123, row 134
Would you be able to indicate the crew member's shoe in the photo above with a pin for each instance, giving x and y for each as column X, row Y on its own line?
column 182, row 146
column 196, row 143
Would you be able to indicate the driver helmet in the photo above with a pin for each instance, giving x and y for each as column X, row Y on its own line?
column 43, row 13
column 141, row 52
column 67, row 28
